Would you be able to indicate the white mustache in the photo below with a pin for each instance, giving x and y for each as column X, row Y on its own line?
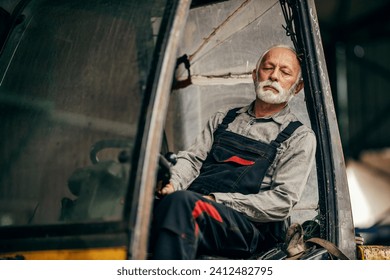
column 275, row 85
column 271, row 97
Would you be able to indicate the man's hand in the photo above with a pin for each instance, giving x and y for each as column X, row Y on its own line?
column 164, row 190
column 211, row 197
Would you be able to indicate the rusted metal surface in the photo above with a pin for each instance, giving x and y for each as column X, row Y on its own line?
column 153, row 136
column 372, row 252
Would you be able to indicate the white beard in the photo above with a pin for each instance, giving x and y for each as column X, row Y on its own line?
column 271, row 97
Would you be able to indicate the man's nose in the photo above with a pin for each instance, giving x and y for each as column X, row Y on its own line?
column 274, row 75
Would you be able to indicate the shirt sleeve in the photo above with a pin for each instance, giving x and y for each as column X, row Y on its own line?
column 290, row 176
column 190, row 161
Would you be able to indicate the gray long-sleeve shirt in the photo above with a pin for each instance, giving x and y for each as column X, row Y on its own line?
column 286, row 178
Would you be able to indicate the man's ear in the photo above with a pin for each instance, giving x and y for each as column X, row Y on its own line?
column 254, row 75
column 299, row 87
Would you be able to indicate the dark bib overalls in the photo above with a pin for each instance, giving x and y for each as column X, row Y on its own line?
column 186, row 223
column 237, row 163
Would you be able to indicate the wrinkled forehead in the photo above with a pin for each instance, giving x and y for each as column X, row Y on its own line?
column 282, row 56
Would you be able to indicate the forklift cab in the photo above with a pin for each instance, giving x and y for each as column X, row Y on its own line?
column 93, row 92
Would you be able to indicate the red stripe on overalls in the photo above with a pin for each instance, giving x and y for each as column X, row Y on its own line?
column 204, row 207
column 239, row 160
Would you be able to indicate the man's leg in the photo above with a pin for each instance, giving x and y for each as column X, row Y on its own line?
column 185, row 223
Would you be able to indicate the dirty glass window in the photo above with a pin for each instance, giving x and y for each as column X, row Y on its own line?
column 72, row 79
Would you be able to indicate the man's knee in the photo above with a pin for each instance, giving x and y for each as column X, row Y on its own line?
column 174, row 211
column 177, row 202
column 182, row 198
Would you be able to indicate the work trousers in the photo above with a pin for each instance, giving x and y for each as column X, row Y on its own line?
column 186, row 225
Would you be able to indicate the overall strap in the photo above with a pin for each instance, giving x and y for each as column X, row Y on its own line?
column 286, row 133
column 230, row 116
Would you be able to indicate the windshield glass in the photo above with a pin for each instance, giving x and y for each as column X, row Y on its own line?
column 72, row 79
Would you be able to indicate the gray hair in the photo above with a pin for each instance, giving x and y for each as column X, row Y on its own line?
column 279, row 46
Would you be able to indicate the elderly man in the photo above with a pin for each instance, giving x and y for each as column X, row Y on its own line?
column 245, row 172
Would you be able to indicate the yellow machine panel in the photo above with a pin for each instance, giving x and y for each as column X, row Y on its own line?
column 118, row 253
column 371, row 252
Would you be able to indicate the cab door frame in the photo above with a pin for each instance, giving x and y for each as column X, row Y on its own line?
column 140, row 201
column 334, row 199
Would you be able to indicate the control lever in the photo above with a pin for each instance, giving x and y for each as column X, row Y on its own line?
column 165, row 163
